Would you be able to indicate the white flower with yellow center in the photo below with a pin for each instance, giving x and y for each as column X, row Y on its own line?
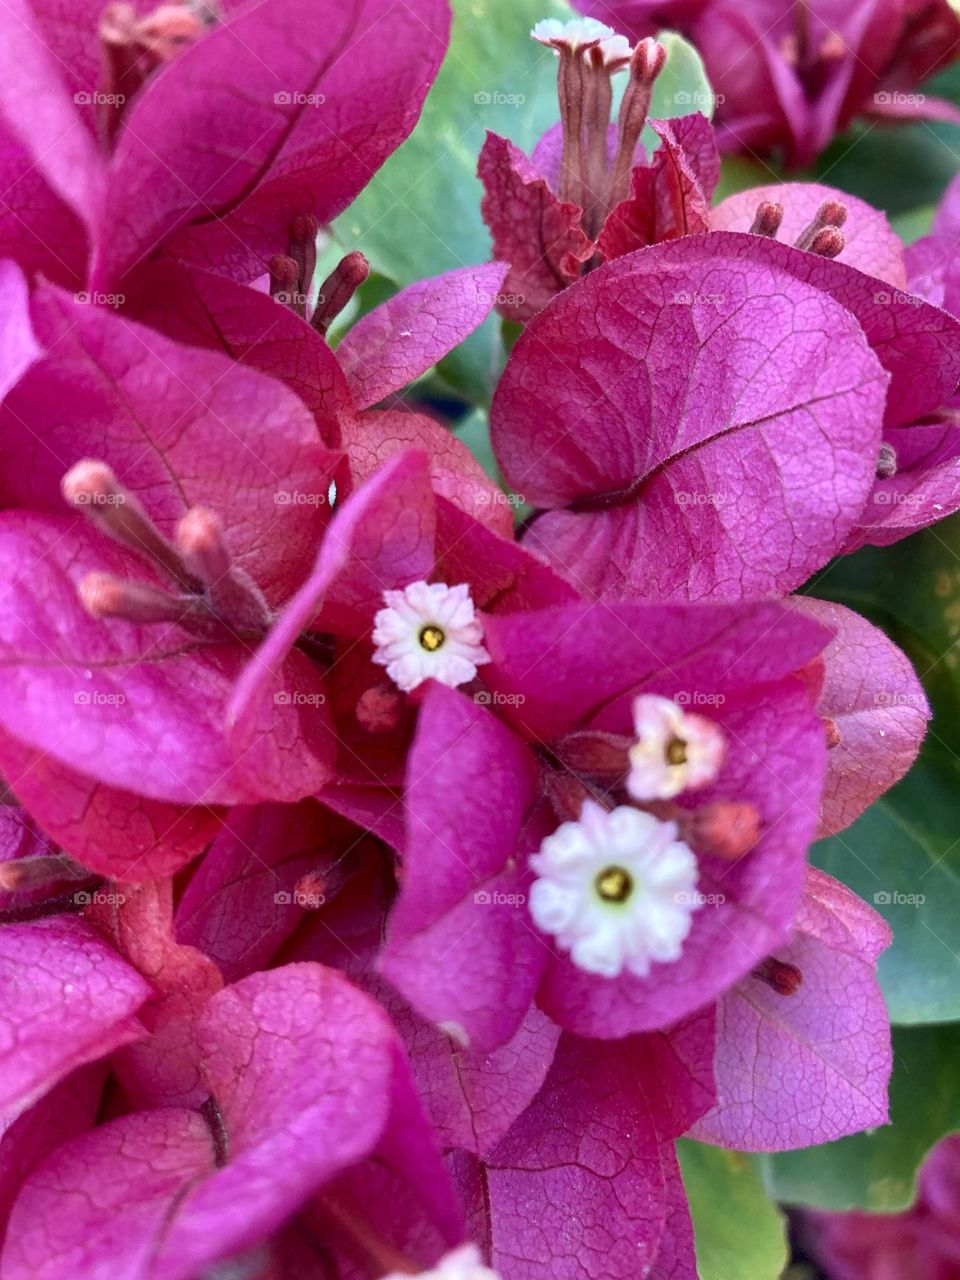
column 463, row 1264
column 675, row 750
column 580, row 32
column 617, row 890
column 429, row 630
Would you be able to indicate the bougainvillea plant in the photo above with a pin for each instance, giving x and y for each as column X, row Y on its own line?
column 434, row 712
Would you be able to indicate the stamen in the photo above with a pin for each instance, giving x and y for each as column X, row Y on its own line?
column 886, row 461
column 338, row 288
column 783, row 978
column 767, row 220
column 93, row 488
column 646, row 64
column 830, row 214
column 105, row 596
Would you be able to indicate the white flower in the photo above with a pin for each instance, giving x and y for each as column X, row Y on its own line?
column 675, row 750
column 463, row 1264
column 583, row 31
column 429, row 630
column 617, row 890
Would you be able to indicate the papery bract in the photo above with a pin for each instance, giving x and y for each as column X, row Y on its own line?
column 799, row 1067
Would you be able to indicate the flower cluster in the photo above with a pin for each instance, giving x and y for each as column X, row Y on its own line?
column 383, row 892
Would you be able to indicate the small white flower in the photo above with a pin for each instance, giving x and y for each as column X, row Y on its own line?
column 429, row 630
column 583, row 31
column 616, row 890
column 463, row 1264
column 675, row 751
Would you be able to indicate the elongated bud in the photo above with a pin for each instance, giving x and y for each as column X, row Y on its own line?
column 828, row 243
column 338, row 288
column 649, row 59
column 40, row 872
column 767, row 219
column 92, row 487
column 303, row 248
column 567, row 795
column 200, row 540
column 600, row 755
column 284, row 276
column 783, row 978
column 830, row 214
column 104, row 596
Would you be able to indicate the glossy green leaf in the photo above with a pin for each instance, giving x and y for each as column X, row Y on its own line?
column 903, row 854
column 739, row 1232
column 877, row 1170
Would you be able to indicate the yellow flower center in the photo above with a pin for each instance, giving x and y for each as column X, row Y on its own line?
column 431, row 638
column 613, row 884
column 676, row 751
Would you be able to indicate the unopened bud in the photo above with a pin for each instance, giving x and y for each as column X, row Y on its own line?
column 767, row 219
column 783, row 978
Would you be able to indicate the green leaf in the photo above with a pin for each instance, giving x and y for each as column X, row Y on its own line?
column 421, row 213
column 738, row 1231
column 877, row 1170
column 903, row 854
